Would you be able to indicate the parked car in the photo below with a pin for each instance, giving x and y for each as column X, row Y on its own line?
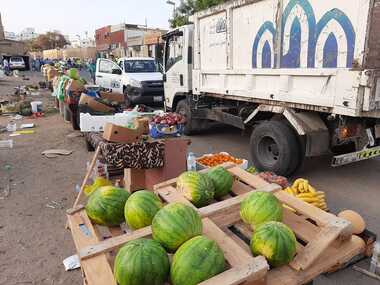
column 139, row 79
column 16, row 62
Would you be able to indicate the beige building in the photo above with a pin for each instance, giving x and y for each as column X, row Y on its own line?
column 9, row 47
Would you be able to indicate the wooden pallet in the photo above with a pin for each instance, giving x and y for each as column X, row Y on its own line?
column 324, row 240
column 98, row 257
column 86, row 234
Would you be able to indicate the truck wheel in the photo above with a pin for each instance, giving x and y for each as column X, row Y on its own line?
column 276, row 148
column 183, row 108
column 126, row 99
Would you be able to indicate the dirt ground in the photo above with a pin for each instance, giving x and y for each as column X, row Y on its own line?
column 33, row 240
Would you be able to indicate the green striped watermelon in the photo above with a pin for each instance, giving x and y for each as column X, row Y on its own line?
column 260, row 207
column 140, row 209
column 142, row 262
column 195, row 261
column 175, row 224
column 105, row 206
column 222, row 181
column 275, row 241
column 196, row 187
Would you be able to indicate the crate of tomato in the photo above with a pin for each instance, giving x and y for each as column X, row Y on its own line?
column 167, row 125
column 211, row 160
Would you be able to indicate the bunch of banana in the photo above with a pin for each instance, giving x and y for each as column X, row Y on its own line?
column 307, row 193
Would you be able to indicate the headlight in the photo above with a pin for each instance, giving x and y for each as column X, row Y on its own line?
column 135, row 83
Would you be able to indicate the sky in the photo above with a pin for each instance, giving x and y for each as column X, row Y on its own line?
column 73, row 17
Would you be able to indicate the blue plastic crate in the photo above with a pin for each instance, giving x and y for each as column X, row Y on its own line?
column 157, row 131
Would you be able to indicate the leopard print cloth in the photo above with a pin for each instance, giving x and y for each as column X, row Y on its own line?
column 140, row 155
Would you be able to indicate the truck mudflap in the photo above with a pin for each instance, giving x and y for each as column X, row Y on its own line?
column 348, row 158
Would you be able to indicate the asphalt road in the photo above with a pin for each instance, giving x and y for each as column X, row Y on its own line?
column 355, row 187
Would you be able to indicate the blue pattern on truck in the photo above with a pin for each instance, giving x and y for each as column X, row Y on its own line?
column 292, row 58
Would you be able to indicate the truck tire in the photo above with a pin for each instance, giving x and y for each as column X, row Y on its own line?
column 127, row 101
column 183, row 108
column 275, row 147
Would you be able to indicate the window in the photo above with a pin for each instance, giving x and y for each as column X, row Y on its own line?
column 141, row 66
column 174, row 51
column 105, row 66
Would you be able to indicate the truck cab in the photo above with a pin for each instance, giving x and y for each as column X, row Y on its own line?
column 178, row 65
column 139, row 79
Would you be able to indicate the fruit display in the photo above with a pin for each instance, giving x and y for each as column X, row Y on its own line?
column 140, row 209
column 222, row 181
column 142, row 262
column 99, row 182
column 105, row 206
column 260, row 207
column 175, row 224
column 211, row 160
column 307, row 193
column 170, row 119
column 275, row 241
column 271, row 177
column 196, row 187
column 195, row 261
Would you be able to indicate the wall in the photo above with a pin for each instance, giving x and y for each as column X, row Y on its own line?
column 82, row 53
column 102, row 38
column 53, row 54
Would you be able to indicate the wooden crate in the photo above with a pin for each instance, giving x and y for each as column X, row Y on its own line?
column 97, row 257
column 86, row 234
column 324, row 241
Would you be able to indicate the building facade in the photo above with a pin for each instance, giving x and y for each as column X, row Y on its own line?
column 129, row 40
column 9, row 47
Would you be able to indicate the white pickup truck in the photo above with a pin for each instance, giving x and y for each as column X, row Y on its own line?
column 139, row 79
column 305, row 74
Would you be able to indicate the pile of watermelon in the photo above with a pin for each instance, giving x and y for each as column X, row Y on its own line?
column 177, row 229
column 201, row 189
column 271, row 238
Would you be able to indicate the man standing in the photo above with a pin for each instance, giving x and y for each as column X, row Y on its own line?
column 6, row 67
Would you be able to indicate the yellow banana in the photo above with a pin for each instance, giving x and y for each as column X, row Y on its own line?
column 312, row 189
column 307, row 195
column 310, row 200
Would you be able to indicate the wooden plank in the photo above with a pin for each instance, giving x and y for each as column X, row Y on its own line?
column 236, row 239
column 315, row 248
column 170, row 195
column 252, row 271
column 319, row 216
column 252, row 180
column 285, row 275
column 97, row 270
column 233, row 253
column 112, row 243
column 303, row 229
column 239, row 188
column 88, row 174
column 74, row 210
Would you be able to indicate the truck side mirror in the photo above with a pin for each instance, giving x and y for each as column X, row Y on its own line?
column 164, row 77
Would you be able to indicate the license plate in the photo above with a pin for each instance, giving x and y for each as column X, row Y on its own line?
column 355, row 156
column 157, row 99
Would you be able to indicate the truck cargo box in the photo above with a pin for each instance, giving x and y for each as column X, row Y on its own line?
column 311, row 54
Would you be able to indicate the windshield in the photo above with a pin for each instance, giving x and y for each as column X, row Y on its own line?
column 141, row 66
column 16, row 59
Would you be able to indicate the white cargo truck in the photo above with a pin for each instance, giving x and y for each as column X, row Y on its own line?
column 305, row 74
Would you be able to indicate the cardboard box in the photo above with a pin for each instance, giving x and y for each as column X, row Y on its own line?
column 143, row 124
column 134, row 179
column 114, row 133
column 93, row 104
column 51, row 73
column 113, row 96
column 74, row 86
